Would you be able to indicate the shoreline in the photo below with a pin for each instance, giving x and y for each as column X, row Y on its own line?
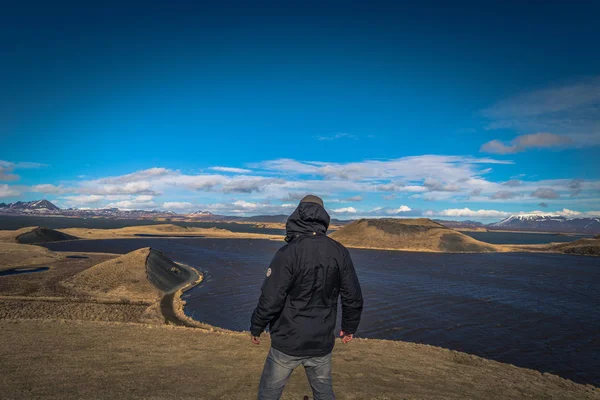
column 172, row 306
column 225, row 347
column 540, row 248
column 171, row 231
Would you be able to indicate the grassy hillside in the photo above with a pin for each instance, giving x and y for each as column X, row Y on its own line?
column 419, row 234
column 166, row 230
column 588, row 247
column 143, row 274
column 24, row 255
column 123, row 276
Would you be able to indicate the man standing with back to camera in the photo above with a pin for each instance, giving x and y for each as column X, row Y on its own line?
column 299, row 302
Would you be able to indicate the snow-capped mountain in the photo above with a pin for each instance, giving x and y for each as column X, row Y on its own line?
column 201, row 213
column 549, row 223
column 37, row 205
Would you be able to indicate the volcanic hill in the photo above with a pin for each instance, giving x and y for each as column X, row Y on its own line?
column 141, row 274
column 421, row 234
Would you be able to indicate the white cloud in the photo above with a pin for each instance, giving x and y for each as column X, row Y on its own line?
column 573, row 96
column 46, row 188
column 137, row 176
column 532, row 141
column 144, row 198
column 413, row 168
column 545, row 193
column 178, row 205
column 242, row 207
column 466, row 212
column 245, row 204
column 350, row 210
column 143, row 202
column 401, row 209
column 569, row 111
column 504, row 195
column 80, row 200
column 6, row 175
column 232, row 170
column 452, row 179
column 249, row 184
column 8, row 191
column 139, row 187
column 569, row 213
column 7, row 167
column 354, row 198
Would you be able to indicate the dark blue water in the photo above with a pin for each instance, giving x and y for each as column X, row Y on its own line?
column 12, row 222
column 18, row 271
column 166, row 236
column 523, row 237
column 537, row 311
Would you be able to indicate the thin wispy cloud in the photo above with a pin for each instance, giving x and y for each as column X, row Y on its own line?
column 337, row 136
column 178, row 205
column 7, row 169
column 556, row 117
column 345, row 210
column 532, row 141
column 545, row 193
column 466, row 212
column 232, row 170
column 8, row 191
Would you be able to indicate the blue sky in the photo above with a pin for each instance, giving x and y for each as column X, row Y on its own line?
column 463, row 112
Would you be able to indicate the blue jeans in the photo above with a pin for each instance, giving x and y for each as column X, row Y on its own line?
column 279, row 367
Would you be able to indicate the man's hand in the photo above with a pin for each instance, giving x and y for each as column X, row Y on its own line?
column 254, row 339
column 346, row 338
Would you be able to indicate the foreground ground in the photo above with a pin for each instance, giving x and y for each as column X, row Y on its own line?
column 69, row 359
column 75, row 331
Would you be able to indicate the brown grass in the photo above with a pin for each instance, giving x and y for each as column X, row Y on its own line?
column 170, row 230
column 67, row 359
column 10, row 236
column 588, row 247
column 44, row 295
column 20, row 255
column 69, row 354
column 419, row 234
column 121, row 277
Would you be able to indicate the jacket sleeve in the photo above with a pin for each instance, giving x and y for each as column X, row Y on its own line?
column 274, row 291
column 352, row 300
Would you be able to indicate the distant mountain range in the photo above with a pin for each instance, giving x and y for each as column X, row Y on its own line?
column 460, row 224
column 548, row 223
column 38, row 205
column 523, row 222
column 279, row 218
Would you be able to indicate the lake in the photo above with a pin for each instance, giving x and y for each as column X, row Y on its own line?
column 16, row 222
column 538, row 311
column 13, row 222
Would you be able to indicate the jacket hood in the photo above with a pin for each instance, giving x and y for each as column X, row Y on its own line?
column 306, row 219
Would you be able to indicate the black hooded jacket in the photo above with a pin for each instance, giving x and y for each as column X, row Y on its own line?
column 299, row 296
